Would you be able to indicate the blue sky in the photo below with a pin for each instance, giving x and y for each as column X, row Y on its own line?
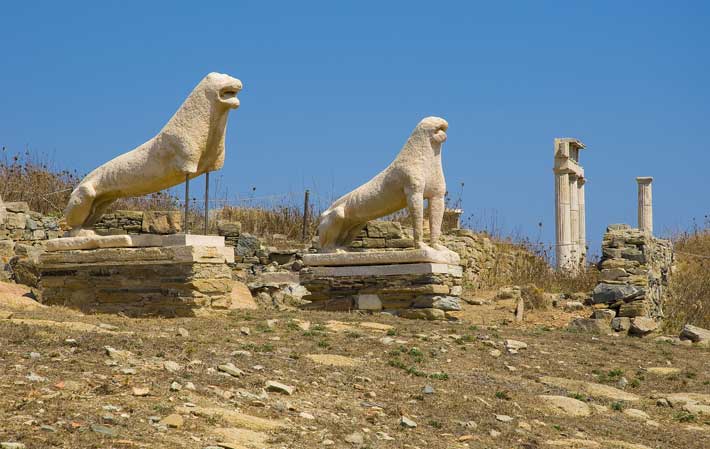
column 333, row 89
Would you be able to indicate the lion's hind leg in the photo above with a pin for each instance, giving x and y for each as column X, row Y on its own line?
column 80, row 206
column 349, row 235
column 100, row 206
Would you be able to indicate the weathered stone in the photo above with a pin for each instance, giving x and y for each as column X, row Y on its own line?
column 621, row 324
column 175, row 421
column 423, row 314
column 604, row 314
column 278, row 387
column 589, row 325
column 447, row 303
column 161, row 222
column 562, row 405
column 424, row 255
column 590, row 388
column 369, row 302
column 610, row 293
column 642, row 326
column 695, row 334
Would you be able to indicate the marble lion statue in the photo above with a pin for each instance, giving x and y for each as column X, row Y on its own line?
column 414, row 175
column 190, row 144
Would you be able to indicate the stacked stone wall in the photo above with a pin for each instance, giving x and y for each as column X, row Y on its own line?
column 634, row 272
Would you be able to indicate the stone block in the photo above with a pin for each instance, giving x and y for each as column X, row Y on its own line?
column 604, row 314
column 382, row 258
column 610, row 293
column 695, row 334
column 613, row 274
column 17, row 207
column 642, row 326
column 443, row 302
column 161, row 222
column 16, row 220
column 369, row 242
column 399, row 243
column 621, row 324
column 384, row 229
column 423, row 314
column 589, row 325
column 229, row 228
column 369, row 302
column 635, row 309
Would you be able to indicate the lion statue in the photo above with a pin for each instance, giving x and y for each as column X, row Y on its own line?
column 415, row 174
column 190, row 144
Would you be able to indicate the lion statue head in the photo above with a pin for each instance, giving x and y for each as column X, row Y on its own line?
column 222, row 89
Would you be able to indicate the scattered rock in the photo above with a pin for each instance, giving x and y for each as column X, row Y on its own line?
column 695, row 334
column 230, row 369
column 175, row 421
column 636, row 414
column 423, row 314
column 590, row 389
column 181, row 331
column 621, row 324
column 279, row 387
column 589, row 325
column 428, row 389
column 663, row 370
column 171, row 366
column 504, row 418
column 141, row 391
column 355, row 439
column 103, row 430
column 406, row 422
column 513, row 346
column 573, row 306
column 562, row 405
column 642, row 326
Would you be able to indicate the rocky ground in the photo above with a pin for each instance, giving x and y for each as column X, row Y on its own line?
column 263, row 379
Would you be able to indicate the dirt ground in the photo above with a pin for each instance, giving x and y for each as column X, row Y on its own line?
column 73, row 381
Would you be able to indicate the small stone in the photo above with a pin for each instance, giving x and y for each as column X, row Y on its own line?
column 622, row 383
column 35, row 355
column 128, row 371
column 32, row 377
column 621, row 324
column 141, row 391
column 513, row 346
column 695, row 334
column 10, row 445
column 171, row 366
column 494, row 433
column 306, row 415
column 103, row 430
column 230, row 369
column 190, row 386
column 47, row 428
column 328, row 443
column 406, row 422
column 383, row 436
column 245, row 330
column 175, row 421
column 108, row 419
column 573, row 306
column 355, row 439
column 181, row 331
column 428, row 389
column 279, row 387
column 504, row 418
column 495, row 353
column 636, row 414
column 175, row 386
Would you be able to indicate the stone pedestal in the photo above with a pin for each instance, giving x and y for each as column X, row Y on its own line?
column 393, row 281
column 176, row 275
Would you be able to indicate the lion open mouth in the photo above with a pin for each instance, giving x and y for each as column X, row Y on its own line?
column 228, row 95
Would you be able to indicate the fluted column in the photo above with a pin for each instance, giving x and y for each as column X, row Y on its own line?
column 574, row 220
column 645, row 204
column 562, row 220
column 582, row 221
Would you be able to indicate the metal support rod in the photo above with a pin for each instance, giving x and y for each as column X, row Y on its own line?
column 305, row 214
column 187, row 202
column 207, row 201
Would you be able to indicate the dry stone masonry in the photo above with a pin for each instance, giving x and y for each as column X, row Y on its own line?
column 635, row 268
column 180, row 275
column 139, row 222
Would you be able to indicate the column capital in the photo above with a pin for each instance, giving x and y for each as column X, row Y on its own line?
column 644, row 179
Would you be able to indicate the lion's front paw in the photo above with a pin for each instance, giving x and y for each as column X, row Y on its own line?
column 439, row 247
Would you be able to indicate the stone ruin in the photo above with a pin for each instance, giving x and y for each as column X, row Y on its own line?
column 570, row 215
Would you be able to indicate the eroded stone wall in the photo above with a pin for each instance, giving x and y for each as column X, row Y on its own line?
column 634, row 272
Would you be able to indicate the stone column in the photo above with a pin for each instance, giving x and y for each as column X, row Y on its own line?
column 574, row 220
column 645, row 204
column 562, row 220
column 2, row 211
column 582, row 221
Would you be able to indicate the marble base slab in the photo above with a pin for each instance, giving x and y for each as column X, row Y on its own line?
column 409, row 256
column 132, row 241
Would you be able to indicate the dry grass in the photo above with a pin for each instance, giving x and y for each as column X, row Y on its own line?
column 285, row 219
column 525, row 262
column 689, row 301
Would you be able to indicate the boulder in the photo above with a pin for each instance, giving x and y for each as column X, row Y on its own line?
column 611, row 293
column 695, row 334
column 642, row 326
column 589, row 325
